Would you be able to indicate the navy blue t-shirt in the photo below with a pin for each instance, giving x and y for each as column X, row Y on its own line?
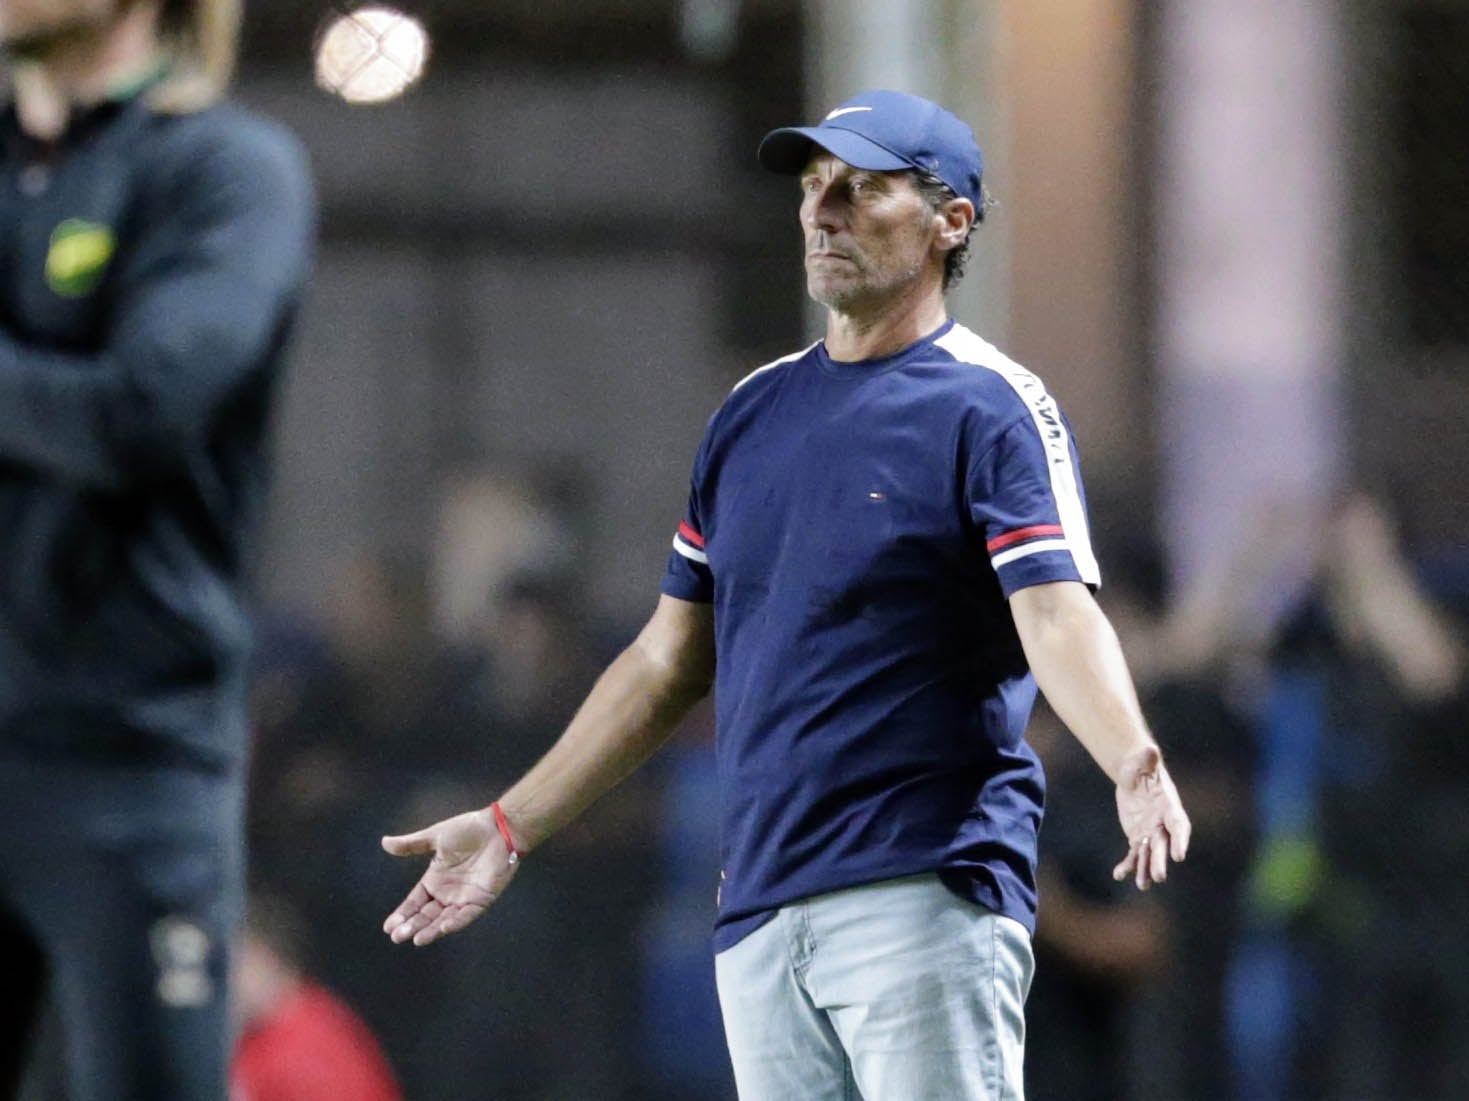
column 858, row 528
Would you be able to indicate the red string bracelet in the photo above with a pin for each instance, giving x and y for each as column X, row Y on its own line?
column 504, row 827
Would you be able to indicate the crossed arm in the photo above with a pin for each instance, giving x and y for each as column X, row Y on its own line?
column 202, row 297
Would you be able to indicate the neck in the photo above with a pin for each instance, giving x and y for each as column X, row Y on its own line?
column 83, row 66
column 856, row 335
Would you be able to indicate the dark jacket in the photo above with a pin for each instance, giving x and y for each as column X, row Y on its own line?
column 151, row 267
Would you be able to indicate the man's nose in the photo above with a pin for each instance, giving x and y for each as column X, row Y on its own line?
column 821, row 209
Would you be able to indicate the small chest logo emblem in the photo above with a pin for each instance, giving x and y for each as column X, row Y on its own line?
column 79, row 254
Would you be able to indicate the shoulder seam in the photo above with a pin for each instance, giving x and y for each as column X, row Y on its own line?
column 773, row 364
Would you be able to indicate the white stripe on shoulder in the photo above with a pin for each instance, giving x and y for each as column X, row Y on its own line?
column 774, row 363
column 689, row 551
column 968, row 347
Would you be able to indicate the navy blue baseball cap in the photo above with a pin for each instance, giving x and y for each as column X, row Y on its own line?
column 886, row 132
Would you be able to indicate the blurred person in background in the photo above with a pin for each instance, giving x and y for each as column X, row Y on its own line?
column 348, row 730
column 1097, row 943
column 1197, row 663
column 522, row 665
column 683, row 1048
column 341, row 718
column 887, row 539
column 1358, row 894
column 522, row 669
column 155, row 242
column 297, row 1040
column 595, row 879
column 377, row 717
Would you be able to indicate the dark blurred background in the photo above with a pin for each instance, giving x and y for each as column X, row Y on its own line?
column 1233, row 237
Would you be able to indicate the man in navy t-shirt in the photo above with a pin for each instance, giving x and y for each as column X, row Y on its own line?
column 886, row 547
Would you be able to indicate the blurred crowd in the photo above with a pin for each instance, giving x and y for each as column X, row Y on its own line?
column 1310, row 699
column 428, row 686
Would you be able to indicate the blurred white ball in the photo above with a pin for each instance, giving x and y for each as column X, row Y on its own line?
column 371, row 54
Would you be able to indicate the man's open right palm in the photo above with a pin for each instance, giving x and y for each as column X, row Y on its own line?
column 469, row 870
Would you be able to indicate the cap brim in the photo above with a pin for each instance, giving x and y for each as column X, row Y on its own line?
column 788, row 150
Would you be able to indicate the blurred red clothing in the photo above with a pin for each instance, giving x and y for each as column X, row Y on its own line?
column 311, row 1048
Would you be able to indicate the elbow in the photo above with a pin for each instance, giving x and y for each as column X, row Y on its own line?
column 1051, row 618
column 701, row 685
column 688, row 682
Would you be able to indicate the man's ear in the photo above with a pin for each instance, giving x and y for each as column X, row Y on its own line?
column 958, row 219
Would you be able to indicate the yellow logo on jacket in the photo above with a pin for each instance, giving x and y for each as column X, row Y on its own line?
column 79, row 254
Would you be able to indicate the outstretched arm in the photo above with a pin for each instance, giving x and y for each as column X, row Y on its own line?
column 1078, row 664
column 630, row 713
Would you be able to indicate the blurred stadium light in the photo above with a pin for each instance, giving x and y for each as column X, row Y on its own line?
column 709, row 28
column 370, row 54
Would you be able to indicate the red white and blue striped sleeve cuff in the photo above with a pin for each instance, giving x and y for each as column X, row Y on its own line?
column 690, row 544
column 1023, row 542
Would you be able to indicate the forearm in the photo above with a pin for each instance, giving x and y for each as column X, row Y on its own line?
column 65, row 415
column 1078, row 664
column 138, row 408
column 630, row 712
column 1409, row 635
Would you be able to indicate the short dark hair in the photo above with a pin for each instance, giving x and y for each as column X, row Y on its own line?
column 936, row 193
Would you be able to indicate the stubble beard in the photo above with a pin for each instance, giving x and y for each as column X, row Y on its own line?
column 840, row 289
column 868, row 282
column 825, row 293
column 865, row 291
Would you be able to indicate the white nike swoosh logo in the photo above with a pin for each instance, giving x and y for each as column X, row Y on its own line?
column 844, row 111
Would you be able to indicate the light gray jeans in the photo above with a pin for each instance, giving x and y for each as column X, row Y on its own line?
column 894, row 991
